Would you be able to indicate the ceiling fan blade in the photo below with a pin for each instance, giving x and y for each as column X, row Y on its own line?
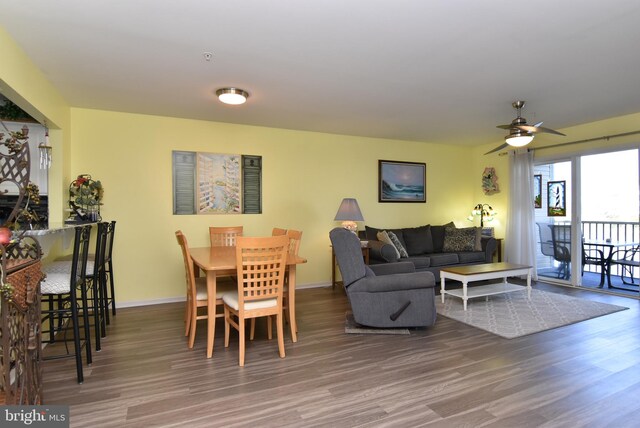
column 500, row 147
column 528, row 128
column 505, row 126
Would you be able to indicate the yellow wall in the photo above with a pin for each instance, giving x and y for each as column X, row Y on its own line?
column 305, row 176
column 26, row 86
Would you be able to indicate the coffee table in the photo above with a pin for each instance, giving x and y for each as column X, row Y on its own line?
column 466, row 274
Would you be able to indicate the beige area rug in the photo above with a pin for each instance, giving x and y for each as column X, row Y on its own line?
column 513, row 315
column 352, row 327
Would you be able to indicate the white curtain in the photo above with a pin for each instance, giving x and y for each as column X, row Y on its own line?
column 520, row 242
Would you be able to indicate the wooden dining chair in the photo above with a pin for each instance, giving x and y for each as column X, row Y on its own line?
column 278, row 232
column 197, row 292
column 260, row 269
column 224, row 236
column 295, row 236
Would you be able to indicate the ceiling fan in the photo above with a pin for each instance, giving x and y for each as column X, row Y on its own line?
column 520, row 133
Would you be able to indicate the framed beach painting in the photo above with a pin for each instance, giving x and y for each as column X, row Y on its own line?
column 537, row 191
column 402, row 181
column 556, row 199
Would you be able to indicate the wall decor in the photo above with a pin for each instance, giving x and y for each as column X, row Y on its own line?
column 556, row 199
column 537, row 191
column 490, row 181
column 216, row 183
column 402, row 181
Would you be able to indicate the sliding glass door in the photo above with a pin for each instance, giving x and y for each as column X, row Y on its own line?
column 552, row 201
column 587, row 212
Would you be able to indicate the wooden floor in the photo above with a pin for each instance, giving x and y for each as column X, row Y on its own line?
column 582, row 375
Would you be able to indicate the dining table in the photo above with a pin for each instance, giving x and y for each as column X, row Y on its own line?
column 610, row 246
column 218, row 261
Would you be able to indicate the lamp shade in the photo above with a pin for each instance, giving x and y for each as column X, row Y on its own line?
column 349, row 211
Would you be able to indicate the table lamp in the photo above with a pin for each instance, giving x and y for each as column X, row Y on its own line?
column 349, row 212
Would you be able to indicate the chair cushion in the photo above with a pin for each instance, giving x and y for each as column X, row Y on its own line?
column 65, row 267
column 231, row 299
column 56, row 283
column 222, row 288
column 418, row 240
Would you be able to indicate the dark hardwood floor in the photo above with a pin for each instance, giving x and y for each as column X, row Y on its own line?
column 583, row 375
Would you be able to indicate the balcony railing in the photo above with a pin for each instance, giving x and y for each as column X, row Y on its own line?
column 616, row 231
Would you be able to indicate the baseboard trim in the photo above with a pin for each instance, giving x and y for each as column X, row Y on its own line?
column 136, row 303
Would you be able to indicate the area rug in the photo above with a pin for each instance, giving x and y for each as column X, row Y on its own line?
column 513, row 315
column 352, row 327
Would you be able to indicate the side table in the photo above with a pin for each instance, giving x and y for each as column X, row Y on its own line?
column 365, row 254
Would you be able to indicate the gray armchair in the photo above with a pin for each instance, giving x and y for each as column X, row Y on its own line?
column 387, row 295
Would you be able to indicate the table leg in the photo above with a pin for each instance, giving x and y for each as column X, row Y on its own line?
column 442, row 288
column 464, row 294
column 211, row 310
column 292, row 303
column 607, row 264
column 529, row 284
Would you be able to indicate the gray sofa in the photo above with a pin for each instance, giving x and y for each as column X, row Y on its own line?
column 385, row 295
column 426, row 248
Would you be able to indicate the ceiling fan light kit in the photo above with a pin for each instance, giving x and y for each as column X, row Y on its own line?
column 520, row 133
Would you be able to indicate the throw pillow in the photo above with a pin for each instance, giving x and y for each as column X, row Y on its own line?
column 384, row 237
column 418, row 240
column 398, row 244
column 459, row 239
column 437, row 236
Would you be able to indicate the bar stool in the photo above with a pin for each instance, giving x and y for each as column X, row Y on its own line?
column 60, row 291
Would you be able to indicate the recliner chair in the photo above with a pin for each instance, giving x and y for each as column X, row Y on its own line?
column 385, row 295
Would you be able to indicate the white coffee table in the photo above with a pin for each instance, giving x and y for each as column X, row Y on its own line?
column 466, row 274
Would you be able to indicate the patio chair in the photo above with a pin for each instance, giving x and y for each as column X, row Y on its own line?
column 628, row 262
column 555, row 241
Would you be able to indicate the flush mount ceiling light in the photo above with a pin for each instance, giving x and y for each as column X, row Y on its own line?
column 233, row 96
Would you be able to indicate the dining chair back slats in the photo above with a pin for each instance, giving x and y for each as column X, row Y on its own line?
column 224, row 236
column 260, row 264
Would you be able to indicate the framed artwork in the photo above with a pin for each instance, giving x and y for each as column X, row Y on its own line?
column 556, row 199
column 537, row 191
column 216, row 183
column 402, row 181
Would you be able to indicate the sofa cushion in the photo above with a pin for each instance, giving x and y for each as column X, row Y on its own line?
column 418, row 240
column 420, row 262
column 398, row 244
column 437, row 236
column 372, row 232
column 383, row 236
column 471, row 256
column 460, row 239
column 443, row 259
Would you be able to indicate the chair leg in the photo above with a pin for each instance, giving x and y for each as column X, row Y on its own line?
column 96, row 313
column 226, row 326
column 187, row 317
column 280, row 328
column 192, row 325
column 76, row 337
column 252, row 329
column 269, row 327
column 241, row 340
column 113, row 291
column 85, row 320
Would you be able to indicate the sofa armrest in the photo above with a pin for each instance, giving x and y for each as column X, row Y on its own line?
column 395, row 282
column 393, row 268
column 382, row 252
column 489, row 247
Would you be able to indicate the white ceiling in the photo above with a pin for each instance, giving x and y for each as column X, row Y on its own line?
column 439, row 71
